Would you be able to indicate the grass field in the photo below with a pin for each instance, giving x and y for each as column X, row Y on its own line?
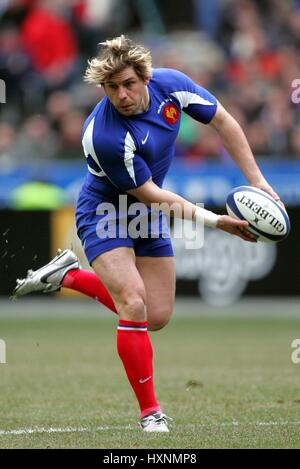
column 228, row 382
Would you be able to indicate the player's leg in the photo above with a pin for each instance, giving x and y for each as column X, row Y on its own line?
column 118, row 272
column 88, row 283
column 155, row 263
column 64, row 272
column 158, row 274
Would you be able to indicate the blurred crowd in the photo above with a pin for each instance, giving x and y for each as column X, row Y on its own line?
column 246, row 52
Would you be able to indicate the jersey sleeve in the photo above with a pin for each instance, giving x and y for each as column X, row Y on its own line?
column 193, row 99
column 116, row 158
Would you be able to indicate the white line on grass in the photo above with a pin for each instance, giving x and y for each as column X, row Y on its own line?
column 30, row 431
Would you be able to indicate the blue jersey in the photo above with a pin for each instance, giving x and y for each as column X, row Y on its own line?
column 124, row 152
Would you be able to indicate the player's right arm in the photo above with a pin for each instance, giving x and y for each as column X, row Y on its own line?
column 149, row 193
column 118, row 160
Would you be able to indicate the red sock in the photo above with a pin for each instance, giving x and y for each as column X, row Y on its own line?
column 89, row 284
column 135, row 350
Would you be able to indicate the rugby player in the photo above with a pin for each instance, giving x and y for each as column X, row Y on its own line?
column 128, row 141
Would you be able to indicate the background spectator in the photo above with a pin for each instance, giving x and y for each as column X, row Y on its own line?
column 244, row 51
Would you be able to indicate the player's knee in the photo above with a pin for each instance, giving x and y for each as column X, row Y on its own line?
column 156, row 325
column 159, row 320
column 133, row 305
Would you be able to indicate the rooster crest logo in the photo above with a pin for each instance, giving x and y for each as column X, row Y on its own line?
column 171, row 114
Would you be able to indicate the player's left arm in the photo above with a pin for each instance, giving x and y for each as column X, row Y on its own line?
column 235, row 142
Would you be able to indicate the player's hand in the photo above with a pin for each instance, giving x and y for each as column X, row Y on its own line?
column 264, row 186
column 235, row 227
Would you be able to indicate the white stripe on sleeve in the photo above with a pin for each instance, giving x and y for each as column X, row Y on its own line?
column 186, row 97
column 88, row 147
column 130, row 148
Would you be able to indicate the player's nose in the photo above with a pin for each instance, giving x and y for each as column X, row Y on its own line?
column 122, row 93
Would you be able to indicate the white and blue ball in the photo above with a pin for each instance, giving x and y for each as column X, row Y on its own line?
column 268, row 220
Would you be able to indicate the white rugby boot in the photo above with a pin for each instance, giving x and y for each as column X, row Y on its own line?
column 49, row 277
column 156, row 422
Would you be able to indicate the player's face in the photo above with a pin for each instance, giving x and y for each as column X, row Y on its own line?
column 127, row 92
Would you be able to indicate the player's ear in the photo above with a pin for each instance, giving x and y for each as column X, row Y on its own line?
column 146, row 81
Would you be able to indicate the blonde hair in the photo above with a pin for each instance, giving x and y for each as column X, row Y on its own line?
column 115, row 55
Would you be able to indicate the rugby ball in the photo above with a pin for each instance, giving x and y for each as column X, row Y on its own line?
column 268, row 220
